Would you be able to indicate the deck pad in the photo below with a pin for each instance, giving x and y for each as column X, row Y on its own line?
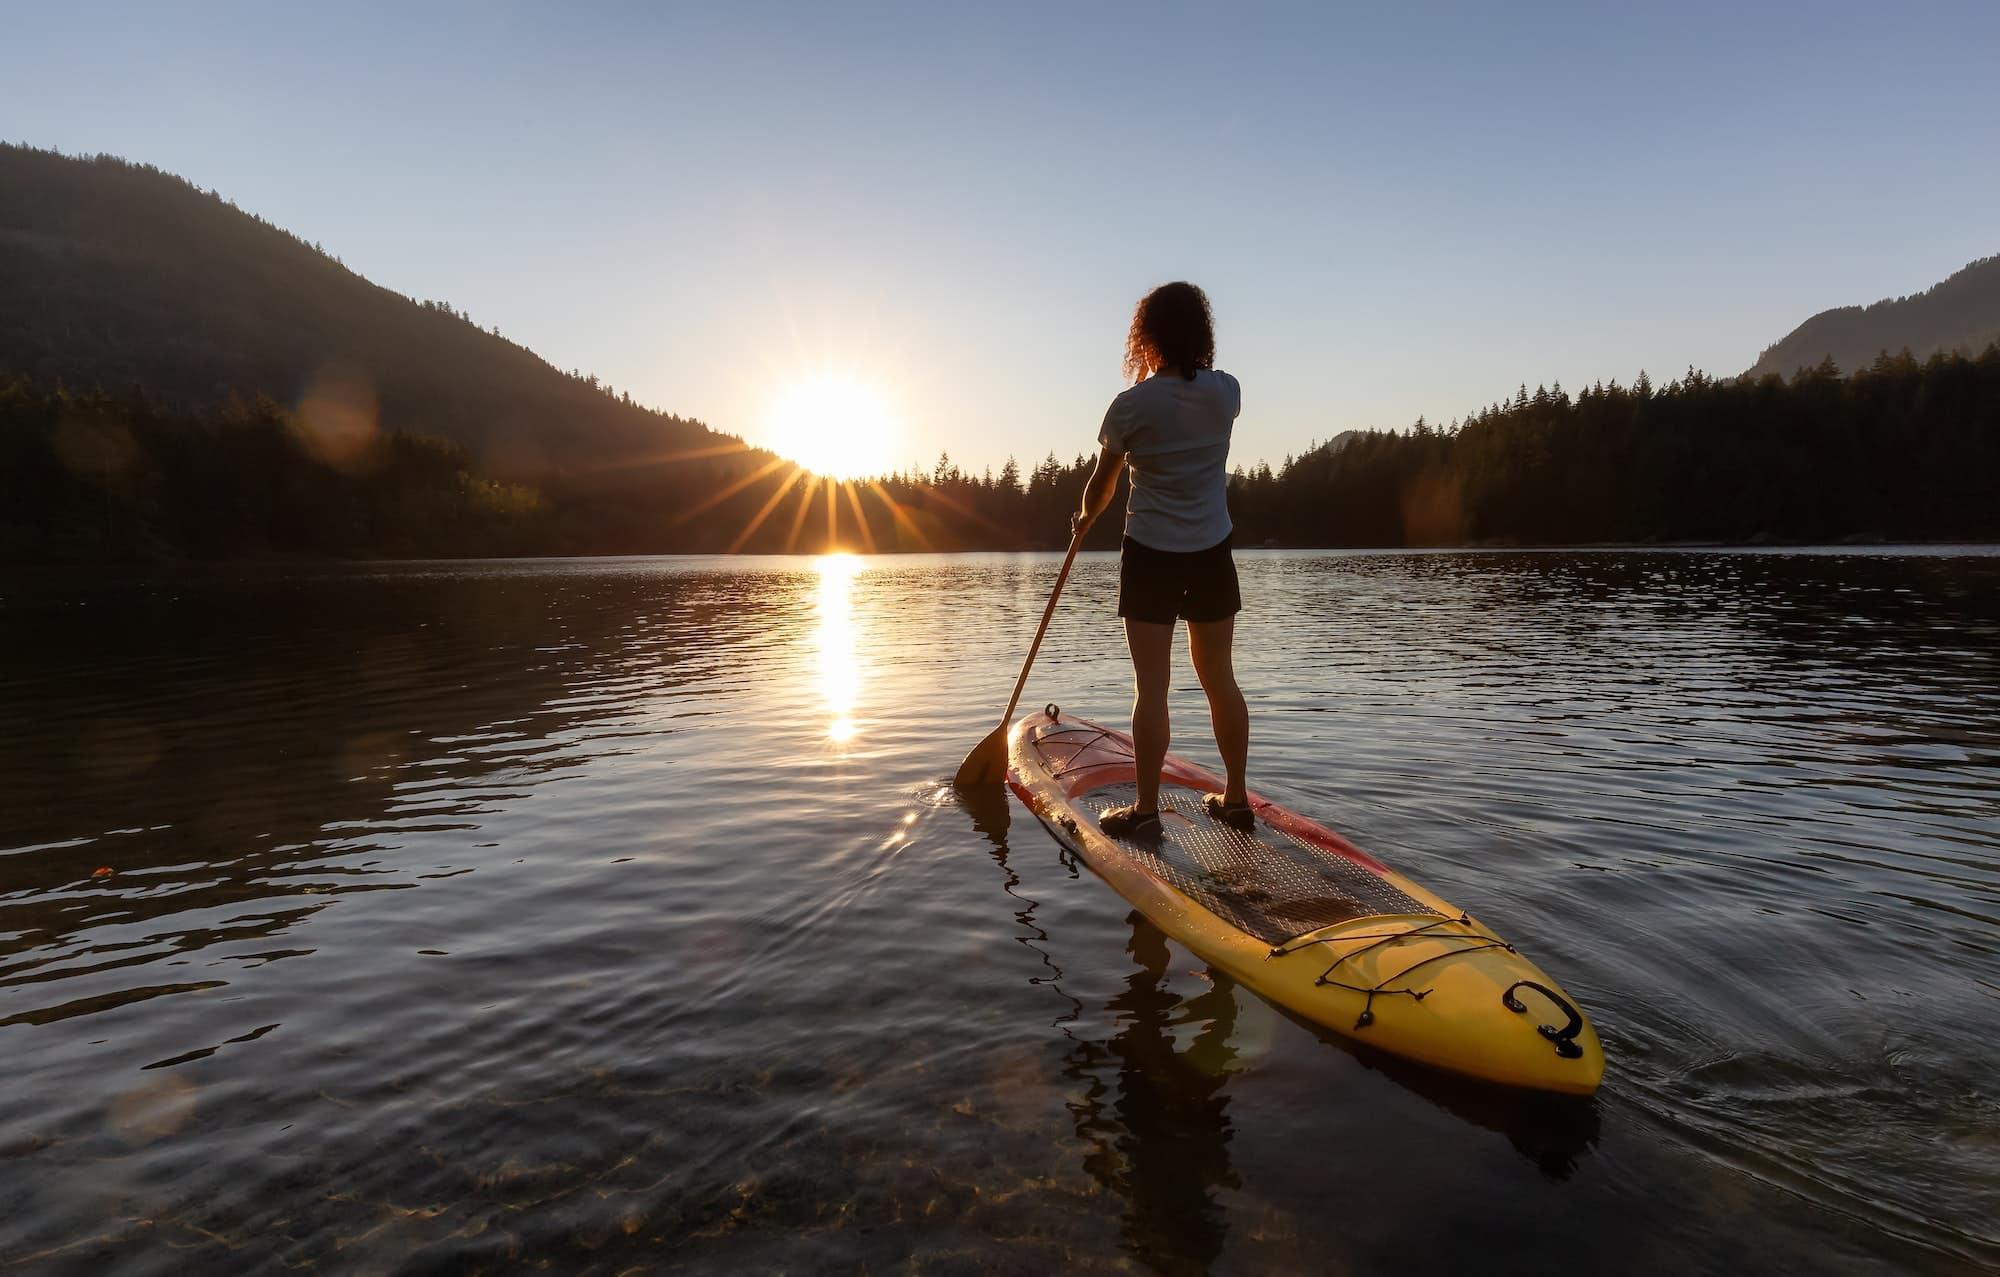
column 1268, row 884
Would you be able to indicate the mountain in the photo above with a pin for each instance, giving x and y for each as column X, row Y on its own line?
column 1960, row 315
column 116, row 275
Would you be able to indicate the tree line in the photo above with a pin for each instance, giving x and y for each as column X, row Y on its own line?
column 1901, row 450
column 98, row 477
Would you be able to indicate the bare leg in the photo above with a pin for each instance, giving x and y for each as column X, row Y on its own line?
column 1210, row 644
column 1152, row 646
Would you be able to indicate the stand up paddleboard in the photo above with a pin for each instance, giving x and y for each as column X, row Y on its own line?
column 1307, row 919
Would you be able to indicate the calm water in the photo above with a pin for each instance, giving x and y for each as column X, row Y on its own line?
column 611, row 915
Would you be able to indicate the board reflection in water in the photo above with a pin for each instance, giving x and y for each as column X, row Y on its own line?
column 1153, row 1111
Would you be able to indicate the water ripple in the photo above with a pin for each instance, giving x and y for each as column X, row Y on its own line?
column 613, row 913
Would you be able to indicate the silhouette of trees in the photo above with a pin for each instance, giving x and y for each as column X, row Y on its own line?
column 191, row 312
column 1901, row 450
column 96, row 477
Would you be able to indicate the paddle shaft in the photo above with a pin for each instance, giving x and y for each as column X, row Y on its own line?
column 1043, row 628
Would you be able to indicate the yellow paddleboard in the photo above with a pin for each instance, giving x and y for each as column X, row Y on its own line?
column 1307, row 919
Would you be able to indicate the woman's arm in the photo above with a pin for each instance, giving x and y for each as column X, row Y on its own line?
column 1098, row 492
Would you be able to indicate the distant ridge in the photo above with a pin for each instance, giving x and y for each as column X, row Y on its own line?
column 1960, row 315
column 115, row 275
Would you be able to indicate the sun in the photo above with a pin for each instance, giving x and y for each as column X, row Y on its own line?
column 832, row 426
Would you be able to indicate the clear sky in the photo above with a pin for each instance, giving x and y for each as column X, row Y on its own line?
column 1396, row 208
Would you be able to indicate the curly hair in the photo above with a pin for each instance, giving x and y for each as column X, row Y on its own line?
column 1171, row 328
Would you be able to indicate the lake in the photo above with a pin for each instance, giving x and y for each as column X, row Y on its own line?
column 614, row 915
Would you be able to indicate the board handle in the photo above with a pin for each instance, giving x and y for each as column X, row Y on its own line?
column 1565, row 1037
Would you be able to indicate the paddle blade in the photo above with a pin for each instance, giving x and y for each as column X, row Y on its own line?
column 987, row 763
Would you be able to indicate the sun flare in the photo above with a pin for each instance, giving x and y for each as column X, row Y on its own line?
column 833, row 426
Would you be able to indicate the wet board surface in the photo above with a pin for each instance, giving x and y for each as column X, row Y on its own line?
column 1267, row 883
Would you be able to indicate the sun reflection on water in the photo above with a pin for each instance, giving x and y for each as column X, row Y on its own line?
column 839, row 662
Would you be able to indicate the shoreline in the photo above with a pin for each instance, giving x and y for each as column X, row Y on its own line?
column 172, row 567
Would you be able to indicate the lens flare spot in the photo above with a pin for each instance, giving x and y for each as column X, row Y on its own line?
column 336, row 422
column 99, row 451
column 153, row 1111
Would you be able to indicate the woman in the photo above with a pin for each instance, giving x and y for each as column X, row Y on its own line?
column 1172, row 427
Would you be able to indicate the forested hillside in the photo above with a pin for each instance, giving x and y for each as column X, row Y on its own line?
column 1960, row 315
column 115, row 275
column 179, row 379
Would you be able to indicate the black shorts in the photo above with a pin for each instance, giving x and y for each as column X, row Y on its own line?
column 1162, row 585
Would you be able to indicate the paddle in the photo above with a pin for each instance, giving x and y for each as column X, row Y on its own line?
column 987, row 763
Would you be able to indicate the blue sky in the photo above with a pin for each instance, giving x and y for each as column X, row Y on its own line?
column 1396, row 209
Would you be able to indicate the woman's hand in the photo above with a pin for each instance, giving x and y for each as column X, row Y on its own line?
column 1079, row 523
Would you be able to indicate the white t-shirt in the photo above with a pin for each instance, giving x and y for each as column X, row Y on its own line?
column 1175, row 432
